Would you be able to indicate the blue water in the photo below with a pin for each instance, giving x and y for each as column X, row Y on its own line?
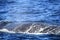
column 17, row 36
column 47, row 11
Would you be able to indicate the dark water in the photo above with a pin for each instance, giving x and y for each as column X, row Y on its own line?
column 17, row 36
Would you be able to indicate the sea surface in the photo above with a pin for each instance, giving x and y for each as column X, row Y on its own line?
column 21, row 36
column 47, row 11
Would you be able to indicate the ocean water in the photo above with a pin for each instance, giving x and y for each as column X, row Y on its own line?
column 47, row 11
column 20, row 36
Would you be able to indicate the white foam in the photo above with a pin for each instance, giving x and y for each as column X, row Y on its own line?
column 33, row 33
column 5, row 30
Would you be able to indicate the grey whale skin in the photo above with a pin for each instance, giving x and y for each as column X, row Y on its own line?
column 13, row 13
